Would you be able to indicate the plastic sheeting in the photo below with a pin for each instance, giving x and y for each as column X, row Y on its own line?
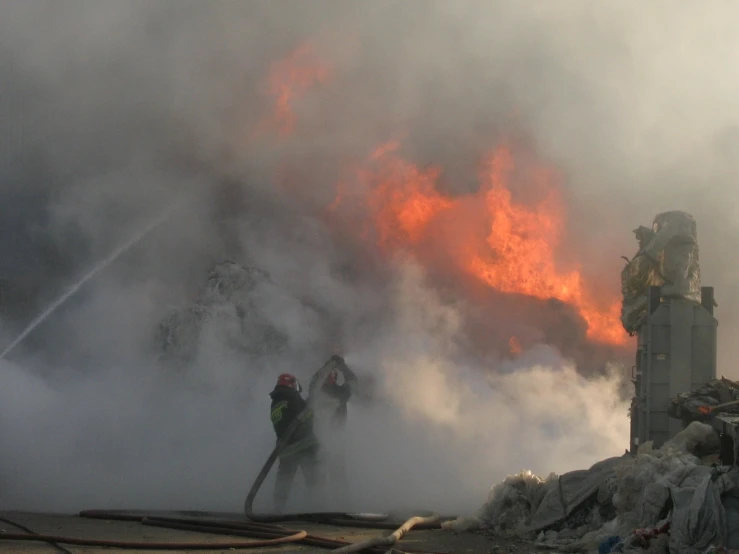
column 511, row 503
column 668, row 257
column 570, row 491
column 698, row 518
column 730, row 502
column 675, row 249
column 639, row 499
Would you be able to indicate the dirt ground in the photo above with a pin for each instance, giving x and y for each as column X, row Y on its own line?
column 435, row 541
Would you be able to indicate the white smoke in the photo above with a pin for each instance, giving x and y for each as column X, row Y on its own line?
column 113, row 108
column 132, row 435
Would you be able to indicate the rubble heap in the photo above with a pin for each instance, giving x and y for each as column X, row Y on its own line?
column 701, row 403
column 673, row 497
column 227, row 302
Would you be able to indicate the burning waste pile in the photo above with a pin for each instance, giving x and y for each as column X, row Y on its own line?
column 680, row 497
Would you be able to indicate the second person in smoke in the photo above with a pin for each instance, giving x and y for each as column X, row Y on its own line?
column 332, row 397
column 301, row 451
column 330, row 405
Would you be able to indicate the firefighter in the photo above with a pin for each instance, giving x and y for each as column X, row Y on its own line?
column 301, row 451
column 330, row 407
column 332, row 397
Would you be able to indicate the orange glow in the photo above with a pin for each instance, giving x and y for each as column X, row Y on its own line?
column 288, row 81
column 514, row 346
column 517, row 254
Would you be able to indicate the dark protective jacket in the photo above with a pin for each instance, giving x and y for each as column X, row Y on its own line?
column 287, row 405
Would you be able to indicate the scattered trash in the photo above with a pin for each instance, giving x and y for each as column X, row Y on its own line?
column 658, row 500
column 715, row 396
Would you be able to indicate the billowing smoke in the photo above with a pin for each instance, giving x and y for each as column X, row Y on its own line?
column 111, row 111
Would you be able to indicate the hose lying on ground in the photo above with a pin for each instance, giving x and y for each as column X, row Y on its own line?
column 59, row 547
column 208, row 522
column 391, row 539
column 228, row 528
column 155, row 545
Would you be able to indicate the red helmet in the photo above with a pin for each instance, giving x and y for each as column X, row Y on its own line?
column 288, row 380
column 332, row 377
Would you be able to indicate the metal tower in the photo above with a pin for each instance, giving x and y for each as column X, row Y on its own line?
column 676, row 353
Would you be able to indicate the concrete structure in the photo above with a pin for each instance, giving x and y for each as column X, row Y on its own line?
column 676, row 353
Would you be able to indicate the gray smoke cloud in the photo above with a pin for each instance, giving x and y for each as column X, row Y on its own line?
column 112, row 110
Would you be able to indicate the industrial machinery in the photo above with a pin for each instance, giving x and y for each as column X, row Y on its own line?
column 676, row 353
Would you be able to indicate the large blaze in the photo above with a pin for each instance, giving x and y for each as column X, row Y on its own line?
column 518, row 253
column 509, row 244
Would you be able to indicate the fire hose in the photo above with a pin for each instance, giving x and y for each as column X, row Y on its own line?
column 59, row 547
column 391, row 539
column 320, row 376
column 215, row 523
column 258, row 526
column 53, row 539
column 271, row 539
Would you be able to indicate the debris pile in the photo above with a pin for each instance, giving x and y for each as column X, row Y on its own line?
column 674, row 499
column 718, row 395
column 226, row 301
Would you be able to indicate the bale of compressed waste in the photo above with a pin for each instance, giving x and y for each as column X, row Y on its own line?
column 668, row 257
column 224, row 312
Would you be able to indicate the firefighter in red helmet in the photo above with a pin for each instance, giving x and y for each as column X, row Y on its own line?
column 302, row 449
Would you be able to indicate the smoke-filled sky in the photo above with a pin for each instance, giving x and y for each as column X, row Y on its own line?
column 263, row 118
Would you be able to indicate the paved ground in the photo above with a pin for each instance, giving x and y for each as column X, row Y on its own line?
column 72, row 526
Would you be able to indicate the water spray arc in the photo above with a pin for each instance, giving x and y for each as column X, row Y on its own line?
column 97, row 268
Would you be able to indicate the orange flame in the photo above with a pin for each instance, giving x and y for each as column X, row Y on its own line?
column 522, row 243
column 403, row 198
column 288, row 81
column 518, row 255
